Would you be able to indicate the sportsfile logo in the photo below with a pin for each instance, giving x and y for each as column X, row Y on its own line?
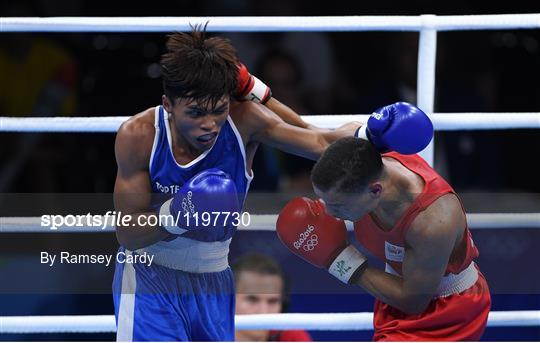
column 304, row 237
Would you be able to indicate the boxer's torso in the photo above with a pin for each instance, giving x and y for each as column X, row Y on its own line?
column 389, row 244
column 227, row 154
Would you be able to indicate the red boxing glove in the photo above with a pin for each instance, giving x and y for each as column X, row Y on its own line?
column 320, row 239
column 251, row 88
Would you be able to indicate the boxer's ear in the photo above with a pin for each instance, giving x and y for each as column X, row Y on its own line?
column 375, row 189
column 167, row 103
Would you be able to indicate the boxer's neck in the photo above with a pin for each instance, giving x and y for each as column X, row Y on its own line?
column 400, row 188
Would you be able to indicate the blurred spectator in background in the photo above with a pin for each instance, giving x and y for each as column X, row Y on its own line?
column 301, row 70
column 467, row 81
column 38, row 79
column 277, row 170
column 314, row 50
column 397, row 82
column 282, row 71
column 261, row 288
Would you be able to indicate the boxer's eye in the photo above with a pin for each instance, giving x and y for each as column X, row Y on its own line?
column 252, row 299
column 274, row 301
column 220, row 110
column 196, row 113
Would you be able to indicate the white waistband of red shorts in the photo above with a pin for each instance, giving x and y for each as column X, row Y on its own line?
column 451, row 283
column 190, row 255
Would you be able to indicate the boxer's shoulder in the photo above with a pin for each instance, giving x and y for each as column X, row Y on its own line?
column 246, row 117
column 444, row 217
column 140, row 125
column 135, row 137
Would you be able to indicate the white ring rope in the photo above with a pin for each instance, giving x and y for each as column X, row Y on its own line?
column 270, row 24
column 441, row 122
column 485, row 221
column 283, row 321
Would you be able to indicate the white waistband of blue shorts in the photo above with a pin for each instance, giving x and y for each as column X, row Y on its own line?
column 190, row 255
column 451, row 283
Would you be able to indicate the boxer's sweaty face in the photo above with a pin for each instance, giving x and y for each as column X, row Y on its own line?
column 348, row 206
column 199, row 123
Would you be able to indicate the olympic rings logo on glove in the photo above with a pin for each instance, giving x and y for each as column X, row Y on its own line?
column 303, row 236
column 187, row 204
column 377, row 115
column 311, row 243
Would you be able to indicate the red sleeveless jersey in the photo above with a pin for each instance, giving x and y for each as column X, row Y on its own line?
column 389, row 246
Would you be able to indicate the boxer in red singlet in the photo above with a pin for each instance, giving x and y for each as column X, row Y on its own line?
column 408, row 216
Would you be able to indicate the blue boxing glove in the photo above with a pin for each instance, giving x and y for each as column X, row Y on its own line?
column 400, row 127
column 204, row 209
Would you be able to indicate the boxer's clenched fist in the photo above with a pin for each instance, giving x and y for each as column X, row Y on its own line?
column 251, row 88
column 399, row 127
column 320, row 239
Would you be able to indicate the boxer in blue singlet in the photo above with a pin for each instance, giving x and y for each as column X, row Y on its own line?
column 193, row 154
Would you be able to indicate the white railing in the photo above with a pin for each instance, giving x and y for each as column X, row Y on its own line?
column 272, row 24
column 283, row 321
column 441, row 122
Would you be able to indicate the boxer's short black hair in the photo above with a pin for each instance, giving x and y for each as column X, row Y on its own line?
column 198, row 68
column 347, row 165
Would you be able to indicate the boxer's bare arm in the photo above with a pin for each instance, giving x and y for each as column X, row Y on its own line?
column 288, row 114
column 430, row 242
column 132, row 189
column 260, row 124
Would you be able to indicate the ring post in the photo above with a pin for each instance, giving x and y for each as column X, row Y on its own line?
column 427, row 54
